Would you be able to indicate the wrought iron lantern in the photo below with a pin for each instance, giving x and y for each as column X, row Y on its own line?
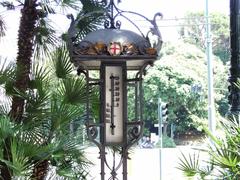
column 114, row 52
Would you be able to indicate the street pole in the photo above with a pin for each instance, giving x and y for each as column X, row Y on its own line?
column 211, row 109
column 160, row 135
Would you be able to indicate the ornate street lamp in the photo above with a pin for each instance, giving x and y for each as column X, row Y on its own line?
column 113, row 53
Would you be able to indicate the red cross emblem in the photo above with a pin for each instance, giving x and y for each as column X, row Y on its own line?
column 114, row 48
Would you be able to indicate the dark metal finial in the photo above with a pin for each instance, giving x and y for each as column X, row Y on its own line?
column 112, row 13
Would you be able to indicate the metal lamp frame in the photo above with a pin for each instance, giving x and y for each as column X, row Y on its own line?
column 145, row 55
column 132, row 130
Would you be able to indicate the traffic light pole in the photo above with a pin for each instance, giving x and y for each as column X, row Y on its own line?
column 211, row 108
column 160, row 119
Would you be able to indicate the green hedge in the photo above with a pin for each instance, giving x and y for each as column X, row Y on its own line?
column 167, row 143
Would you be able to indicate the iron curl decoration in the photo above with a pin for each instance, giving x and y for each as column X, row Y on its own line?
column 112, row 25
column 92, row 132
column 135, row 131
column 113, row 12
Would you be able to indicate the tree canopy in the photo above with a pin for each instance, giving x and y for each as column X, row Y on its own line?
column 193, row 31
column 179, row 78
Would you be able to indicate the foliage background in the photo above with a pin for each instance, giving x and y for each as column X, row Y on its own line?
column 179, row 78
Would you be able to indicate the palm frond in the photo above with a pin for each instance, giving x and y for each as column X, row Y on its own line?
column 36, row 103
column 69, row 158
column 92, row 6
column 225, row 150
column 62, row 5
column 20, row 163
column 206, row 171
column 7, row 71
column 45, row 39
column 90, row 18
column 36, row 152
column 5, row 102
column 68, row 143
column 47, row 8
column 215, row 139
column 66, row 4
column 73, row 90
column 36, row 135
column 6, row 128
column 7, row 77
column 62, row 115
column 70, row 173
column 88, row 23
column 61, row 62
column 5, row 107
column 40, row 80
column 190, row 165
column 231, row 127
column 25, row 155
column 225, row 157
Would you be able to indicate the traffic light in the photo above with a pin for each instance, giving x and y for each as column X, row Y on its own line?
column 164, row 111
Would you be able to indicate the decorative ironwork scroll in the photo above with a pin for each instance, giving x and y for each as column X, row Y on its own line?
column 113, row 13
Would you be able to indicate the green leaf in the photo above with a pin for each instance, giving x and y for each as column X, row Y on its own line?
column 20, row 162
column 88, row 23
column 7, row 71
column 61, row 61
column 45, row 39
column 24, row 155
column 190, row 165
column 62, row 114
column 6, row 128
column 212, row 137
column 47, row 8
column 64, row 4
column 90, row 18
column 73, row 91
column 40, row 79
column 92, row 6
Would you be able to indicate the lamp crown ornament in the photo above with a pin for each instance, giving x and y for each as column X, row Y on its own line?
column 115, row 42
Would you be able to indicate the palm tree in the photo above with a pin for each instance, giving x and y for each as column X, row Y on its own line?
column 54, row 100
column 224, row 156
column 33, row 34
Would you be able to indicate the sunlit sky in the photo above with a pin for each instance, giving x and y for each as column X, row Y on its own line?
column 171, row 10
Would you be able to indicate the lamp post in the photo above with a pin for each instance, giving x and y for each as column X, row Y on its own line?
column 234, row 92
column 114, row 53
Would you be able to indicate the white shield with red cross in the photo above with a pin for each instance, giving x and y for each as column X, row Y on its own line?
column 114, row 48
